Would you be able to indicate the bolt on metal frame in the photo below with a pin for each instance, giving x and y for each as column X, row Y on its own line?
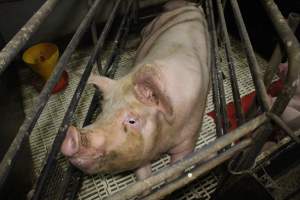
column 259, row 124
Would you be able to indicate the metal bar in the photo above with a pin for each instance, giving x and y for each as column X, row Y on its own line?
column 115, row 45
column 275, row 60
column 214, row 79
column 72, row 172
column 198, row 171
column 292, row 48
column 218, row 71
column 94, row 36
column 73, row 104
column 122, row 44
column 31, row 119
column 190, row 160
column 14, row 46
column 283, row 126
column 233, row 80
column 253, row 65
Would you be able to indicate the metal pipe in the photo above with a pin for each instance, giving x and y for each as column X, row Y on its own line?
column 14, row 46
column 292, row 48
column 190, row 160
column 275, row 60
column 283, row 126
column 218, row 71
column 214, row 79
column 253, row 65
column 233, row 80
column 29, row 122
column 73, row 104
column 198, row 171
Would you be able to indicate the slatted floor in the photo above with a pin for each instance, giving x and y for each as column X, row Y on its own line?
column 102, row 185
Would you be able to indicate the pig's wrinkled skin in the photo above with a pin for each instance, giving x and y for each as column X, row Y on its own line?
column 158, row 107
column 291, row 114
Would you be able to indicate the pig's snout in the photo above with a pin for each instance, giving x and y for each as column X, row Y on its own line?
column 70, row 145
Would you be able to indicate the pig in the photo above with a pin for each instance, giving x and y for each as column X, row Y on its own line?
column 291, row 115
column 157, row 107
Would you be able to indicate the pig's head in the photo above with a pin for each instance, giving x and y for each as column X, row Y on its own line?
column 125, row 134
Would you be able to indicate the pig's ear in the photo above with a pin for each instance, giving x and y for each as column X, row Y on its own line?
column 101, row 82
column 149, row 89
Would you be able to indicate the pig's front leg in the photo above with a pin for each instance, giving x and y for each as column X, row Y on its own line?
column 143, row 172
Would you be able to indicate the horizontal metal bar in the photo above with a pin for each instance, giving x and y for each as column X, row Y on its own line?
column 14, row 46
column 198, row 171
column 253, row 65
column 29, row 122
column 190, row 160
column 73, row 104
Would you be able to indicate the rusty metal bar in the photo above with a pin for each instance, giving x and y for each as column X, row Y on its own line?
column 218, row 71
column 15, row 45
column 229, row 55
column 190, row 160
column 275, row 60
column 214, row 72
column 292, row 48
column 29, row 122
column 253, row 65
column 198, row 171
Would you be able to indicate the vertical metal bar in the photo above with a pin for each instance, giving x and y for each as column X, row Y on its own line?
column 73, row 104
column 292, row 48
column 233, row 80
column 31, row 119
column 14, row 46
column 94, row 36
column 253, row 65
column 275, row 60
column 214, row 77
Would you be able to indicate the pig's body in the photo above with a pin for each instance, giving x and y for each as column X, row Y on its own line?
column 291, row 114
column 158, row 107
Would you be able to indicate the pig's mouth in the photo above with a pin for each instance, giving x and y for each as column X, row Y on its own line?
column 86, row 164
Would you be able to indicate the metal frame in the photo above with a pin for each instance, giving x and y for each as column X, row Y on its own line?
column 259, row 124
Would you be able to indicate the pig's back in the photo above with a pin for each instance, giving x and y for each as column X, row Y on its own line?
column 178, row 44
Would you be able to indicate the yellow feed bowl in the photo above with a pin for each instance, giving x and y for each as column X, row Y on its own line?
column 42, row 58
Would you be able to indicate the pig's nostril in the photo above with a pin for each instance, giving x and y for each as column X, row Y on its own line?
column 70, row 145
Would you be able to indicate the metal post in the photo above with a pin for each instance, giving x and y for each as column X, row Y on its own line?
column 253, row 65
column 275, row 60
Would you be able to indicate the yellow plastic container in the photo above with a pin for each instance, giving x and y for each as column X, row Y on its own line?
column 42, row 58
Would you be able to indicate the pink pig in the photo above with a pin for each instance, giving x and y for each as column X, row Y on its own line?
column 291, row 114
column 158, row 107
